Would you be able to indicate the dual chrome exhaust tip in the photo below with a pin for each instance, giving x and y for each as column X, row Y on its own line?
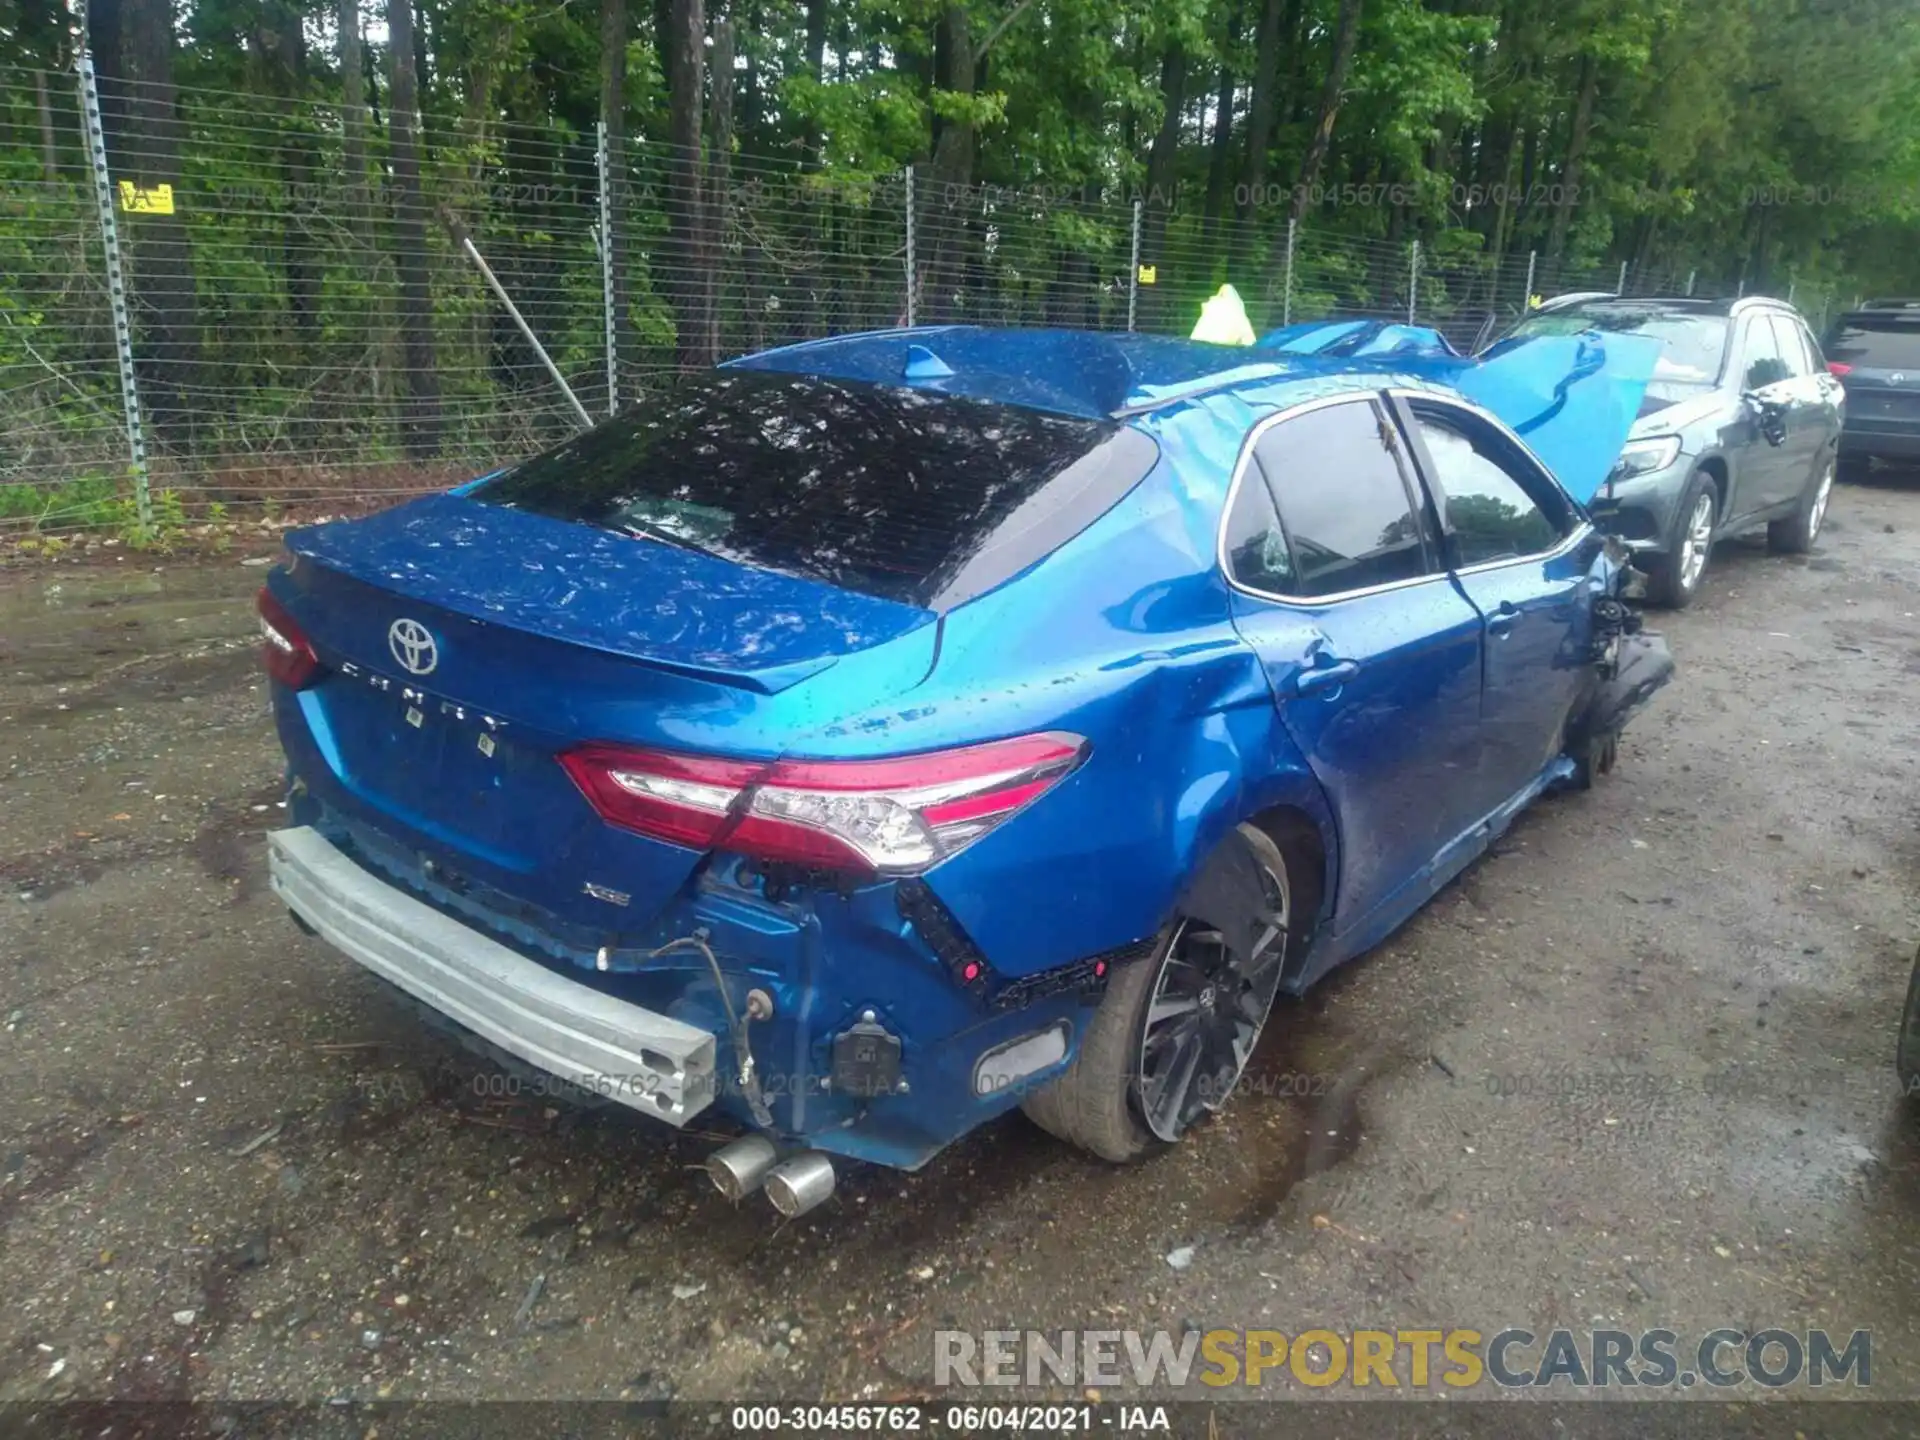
column 794, row 1185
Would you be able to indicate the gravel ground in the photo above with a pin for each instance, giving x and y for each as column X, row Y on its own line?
column 1632, row 1070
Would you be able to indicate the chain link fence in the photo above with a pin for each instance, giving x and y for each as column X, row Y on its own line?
column 307, row 333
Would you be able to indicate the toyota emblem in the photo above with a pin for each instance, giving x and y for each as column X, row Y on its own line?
column 412, row 646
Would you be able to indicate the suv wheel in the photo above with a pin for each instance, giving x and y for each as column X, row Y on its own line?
column 1174, row 1032
column 1674, row 578
column 1795, row 534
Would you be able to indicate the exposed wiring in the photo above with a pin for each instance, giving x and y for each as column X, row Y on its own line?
column 748, row 1075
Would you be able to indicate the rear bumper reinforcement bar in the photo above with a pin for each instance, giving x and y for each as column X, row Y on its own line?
column 655, row 1064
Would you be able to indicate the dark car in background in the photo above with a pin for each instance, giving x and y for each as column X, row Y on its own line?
column 1875, row 350
column 1739, row 429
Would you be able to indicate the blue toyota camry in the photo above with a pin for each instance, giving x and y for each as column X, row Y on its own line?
column 866, row 737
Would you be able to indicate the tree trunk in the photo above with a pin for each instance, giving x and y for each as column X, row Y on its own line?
column 1253, row 166
column 49, row 153
column 613, row 118
column 1293, row 41
column 353, row 119
column 1346, row 33
column 280, row 50
column 1161, row 179
column 164, row 290
column 1576, row 157
column 420, row 426
column 946, row 209
column 719, row 182
column 686, row 67
column 1219, row 161
column 816, row 57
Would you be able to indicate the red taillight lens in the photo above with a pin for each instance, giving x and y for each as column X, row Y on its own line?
column 1836, row 367
column 890, row 817
column 284, row 647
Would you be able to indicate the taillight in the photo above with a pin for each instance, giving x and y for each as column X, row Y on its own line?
column 890, row 817
column 284, row 647
column 1838, row 367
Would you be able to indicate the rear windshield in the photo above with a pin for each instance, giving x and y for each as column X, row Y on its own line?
column 1691, row 346
column 1877, row 344
column 922, row 498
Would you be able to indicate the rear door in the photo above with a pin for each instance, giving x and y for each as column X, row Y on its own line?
column 1518, row 553
column 1813, row 411
column 1372, row 653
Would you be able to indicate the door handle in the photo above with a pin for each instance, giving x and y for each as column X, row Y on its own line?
column 1325, row 677
column 1501, row 622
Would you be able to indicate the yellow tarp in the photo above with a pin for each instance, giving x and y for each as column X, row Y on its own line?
column 1223, row 320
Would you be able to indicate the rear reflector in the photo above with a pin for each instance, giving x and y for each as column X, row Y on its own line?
column 896, row 816
column 285, row 650
column 1008, row 1065
column 1836, row 367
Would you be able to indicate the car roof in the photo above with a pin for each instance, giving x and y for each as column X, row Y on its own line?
column 1667, row 304
column 1092, row 374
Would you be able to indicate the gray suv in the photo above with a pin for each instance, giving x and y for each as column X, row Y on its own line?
column 1739, row 428
column 1876, row 349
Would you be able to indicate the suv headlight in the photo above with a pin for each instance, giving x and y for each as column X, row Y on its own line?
column 1643, row 457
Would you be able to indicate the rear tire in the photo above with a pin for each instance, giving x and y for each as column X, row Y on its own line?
column 1097, row 1103
column 1795, row 534
column 1673, row 579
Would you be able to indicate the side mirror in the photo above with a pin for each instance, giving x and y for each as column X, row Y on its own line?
column 1771, row 415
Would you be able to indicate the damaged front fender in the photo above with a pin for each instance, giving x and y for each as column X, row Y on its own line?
column 1632, row 664
column 1642, row 665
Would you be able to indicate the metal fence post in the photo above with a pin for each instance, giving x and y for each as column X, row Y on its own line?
column 910, row 238
column 1790, row 289
column 1620, row 286
column 1690, row 278
column 116, row 289
column 606, row 270
column 1133, row 269
column 1286, row 290
column 1526, row 300
column 1413, row 282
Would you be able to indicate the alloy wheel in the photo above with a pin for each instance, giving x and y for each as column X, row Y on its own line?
column 1205, row 1015
column 1820, row 497
column 1696, row 541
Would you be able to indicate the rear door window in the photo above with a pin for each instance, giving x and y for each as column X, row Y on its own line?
column 1336, row 476
column 911, row 496
column 1786, row 339
column 1876, row 344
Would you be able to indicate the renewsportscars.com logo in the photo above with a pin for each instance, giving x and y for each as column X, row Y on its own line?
column 1513, row 1358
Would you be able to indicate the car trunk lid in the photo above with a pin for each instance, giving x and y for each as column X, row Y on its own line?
column 468, row 645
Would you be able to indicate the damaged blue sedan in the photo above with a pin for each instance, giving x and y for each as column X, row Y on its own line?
column 863, row 738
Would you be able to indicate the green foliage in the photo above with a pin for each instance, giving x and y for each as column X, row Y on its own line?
column 1748, row 142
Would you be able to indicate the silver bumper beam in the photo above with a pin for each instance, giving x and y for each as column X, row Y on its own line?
column 657, row 1065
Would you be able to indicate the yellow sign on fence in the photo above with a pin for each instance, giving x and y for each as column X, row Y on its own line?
column 146, row 199
column 1149, row 274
